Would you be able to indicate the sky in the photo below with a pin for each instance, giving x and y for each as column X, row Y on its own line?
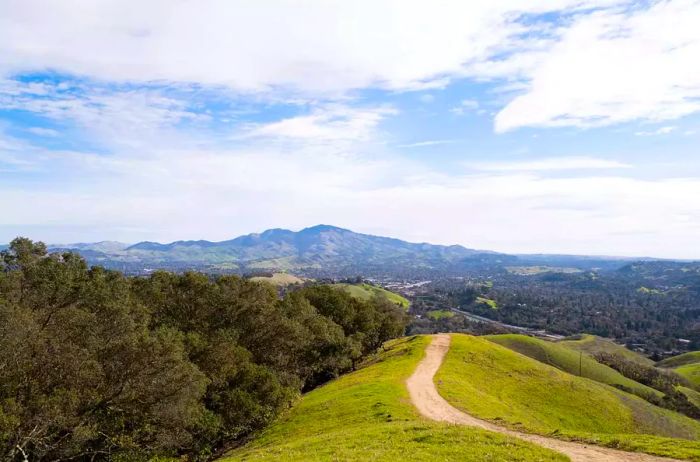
column 558, row 126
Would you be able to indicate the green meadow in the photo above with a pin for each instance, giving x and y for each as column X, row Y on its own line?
column 571, row 361
column 495, row 383
column 592, row 345
column 366, row 291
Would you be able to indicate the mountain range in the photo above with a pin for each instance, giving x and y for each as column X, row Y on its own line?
column 318, row 251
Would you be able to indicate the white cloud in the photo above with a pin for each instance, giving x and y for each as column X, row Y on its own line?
column 316, row 47
column 603, row 62
column 335, row 122
column 41, row 131
column 162, row 198
column 549, row 164
column 659, row 131
column 421, row 144
column 465, row 105
column 610, row 67
column 118, row 116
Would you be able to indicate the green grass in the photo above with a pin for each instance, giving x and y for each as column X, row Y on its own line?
column 568, row 360
column 367, row 291
column 690, row 372
column 495, row 383
column 439, row 314
column 487, row 301
column 592, row 345
column 680, row 360
column 692, row 395
column 367, row 416
column 686, row 365
column 279, row 279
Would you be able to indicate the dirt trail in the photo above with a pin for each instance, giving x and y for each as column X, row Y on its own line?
column 431, row 405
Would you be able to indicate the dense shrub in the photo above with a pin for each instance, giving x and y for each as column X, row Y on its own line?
column 96, row 366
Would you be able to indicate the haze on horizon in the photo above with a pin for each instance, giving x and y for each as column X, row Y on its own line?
column 565, row 126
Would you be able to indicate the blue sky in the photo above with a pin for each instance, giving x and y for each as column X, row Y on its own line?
column 562, row 126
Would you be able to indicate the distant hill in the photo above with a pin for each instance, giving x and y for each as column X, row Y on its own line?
column 330, row 251
column 321, row 249
column 367, row 291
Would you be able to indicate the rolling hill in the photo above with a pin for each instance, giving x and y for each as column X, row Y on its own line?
column 687, row 366
column 592, row 345
column 366, row 415
column 495, row 383
column 571, row 361
column 366, row 291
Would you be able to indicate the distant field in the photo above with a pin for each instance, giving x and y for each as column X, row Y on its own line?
column 279, row 279
column 487, row 301
column 593, row 345
column 367, row 291
column 532, row 270
column 440, row 314
column 367, row 416
column 495, row 383
column 568, row 360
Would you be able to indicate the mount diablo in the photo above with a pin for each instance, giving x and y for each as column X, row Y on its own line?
column 319, row 250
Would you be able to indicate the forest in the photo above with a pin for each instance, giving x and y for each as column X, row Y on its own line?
column 95, row 365
column 651, row 307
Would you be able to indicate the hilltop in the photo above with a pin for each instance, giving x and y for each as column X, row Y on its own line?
column 367, row 415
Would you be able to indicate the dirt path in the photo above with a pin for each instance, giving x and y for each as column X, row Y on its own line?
column 431, row 405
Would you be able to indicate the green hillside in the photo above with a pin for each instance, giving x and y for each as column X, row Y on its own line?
column 366, row 291
column 680, row 360
column 691, row 372
column 495, row 383
column 693, row 395
column 686, row 365
column 561, row 357
column 592, row 345
column 279, row 279
column 367, row 415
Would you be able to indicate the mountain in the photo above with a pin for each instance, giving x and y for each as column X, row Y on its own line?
column 321, row 250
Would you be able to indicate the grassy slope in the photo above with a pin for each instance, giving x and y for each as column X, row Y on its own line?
column 561, row 357
column 686, row 365
column 440, row 314
column 366, row 415
column 680, row 360
column 690, row 372
column 591, row 344
column 279, row 279
column 495, row 383
column 367, row 291
column 693, row 395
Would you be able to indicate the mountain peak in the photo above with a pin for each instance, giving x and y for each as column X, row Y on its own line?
column 322, row 228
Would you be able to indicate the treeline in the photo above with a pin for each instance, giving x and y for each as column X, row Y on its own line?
column 95, row 365
column 604, row 304
column 665, row 381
